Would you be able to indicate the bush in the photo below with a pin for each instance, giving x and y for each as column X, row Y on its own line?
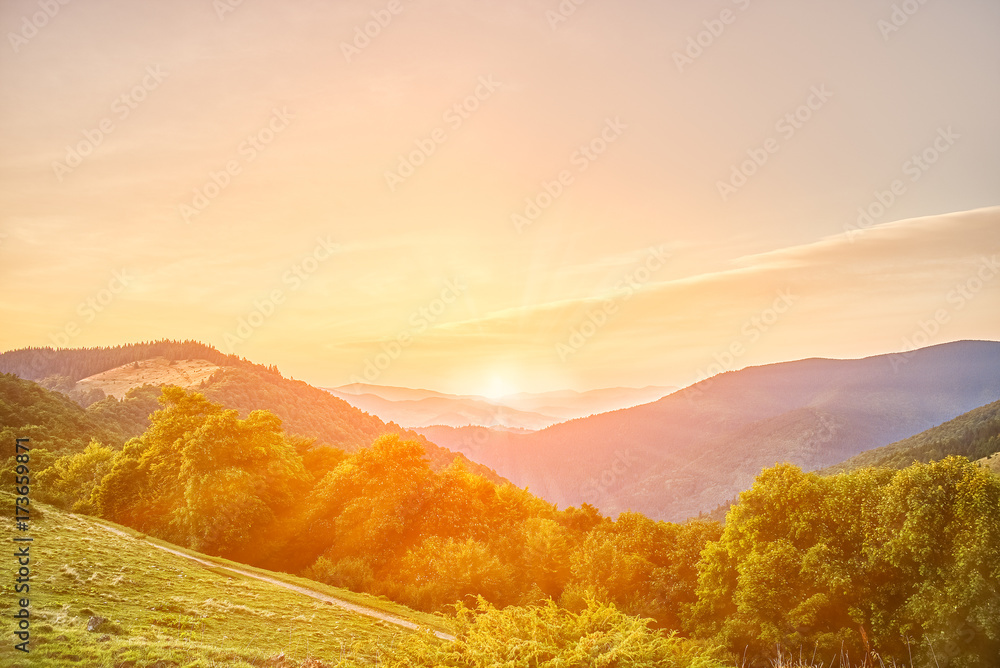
column 348, row 573
column 548, row 636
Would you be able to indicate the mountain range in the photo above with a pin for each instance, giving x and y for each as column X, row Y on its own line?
column 515, row 412
column 699, row 447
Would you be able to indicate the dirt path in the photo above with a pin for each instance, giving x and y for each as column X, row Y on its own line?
column 353, row 607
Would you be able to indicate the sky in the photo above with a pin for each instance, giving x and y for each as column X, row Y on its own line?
column 483, row 197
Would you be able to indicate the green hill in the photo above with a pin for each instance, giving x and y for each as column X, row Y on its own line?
column 973, row 435
column 548, row 586
column 309, row 411
column 167, row 610
column 56, row 423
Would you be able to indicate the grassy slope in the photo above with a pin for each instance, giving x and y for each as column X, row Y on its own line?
column 174, row 611
column 433, row 621
column 992, row 462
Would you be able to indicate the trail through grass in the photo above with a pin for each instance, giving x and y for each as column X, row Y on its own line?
column 166, row 607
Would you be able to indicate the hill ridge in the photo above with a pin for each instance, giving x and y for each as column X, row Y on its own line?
column 700, row 446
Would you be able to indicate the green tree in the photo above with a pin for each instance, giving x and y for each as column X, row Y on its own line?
column 143, row 488
column 238, row 476
column 864, row 561
column 936, row 548
column 645, row 567
column 442, row 571
column 368, row 505
column 202, row 477
column 71, row 480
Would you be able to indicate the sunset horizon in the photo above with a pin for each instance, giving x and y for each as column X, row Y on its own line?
column 321, row 200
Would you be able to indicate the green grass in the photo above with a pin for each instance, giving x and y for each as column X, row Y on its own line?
column 433, row 621
column 165, row 610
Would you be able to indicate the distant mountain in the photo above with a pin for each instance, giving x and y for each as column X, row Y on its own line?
column 391, row 393
column 699, row 447
column 426, row 408
column 975, row 435
column 236, row 383
column 568, row 404
column 447, row 410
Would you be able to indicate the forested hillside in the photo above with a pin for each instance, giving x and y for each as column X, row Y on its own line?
column 973, row 435
column 863, row 563
column 841, row 566
column 56, row 423
column 309, row 411
column 77, row 363
column 305, row 410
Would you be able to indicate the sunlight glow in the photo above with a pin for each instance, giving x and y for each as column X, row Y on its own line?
column 498, row 388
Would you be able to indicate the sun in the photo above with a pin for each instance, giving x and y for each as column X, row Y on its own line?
column 498, row 388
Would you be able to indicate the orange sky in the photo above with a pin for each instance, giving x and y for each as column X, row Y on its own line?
column 486, row 196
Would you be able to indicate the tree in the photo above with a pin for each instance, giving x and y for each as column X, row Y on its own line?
column 864, row 561
column 143, row 489
column 936, row 547
column 202, row 477
column 71, row 480
column 547, row 552
column 238, row 476
column 442, row 571
column 366, row 507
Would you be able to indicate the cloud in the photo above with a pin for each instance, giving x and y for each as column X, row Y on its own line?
column 889, row 276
